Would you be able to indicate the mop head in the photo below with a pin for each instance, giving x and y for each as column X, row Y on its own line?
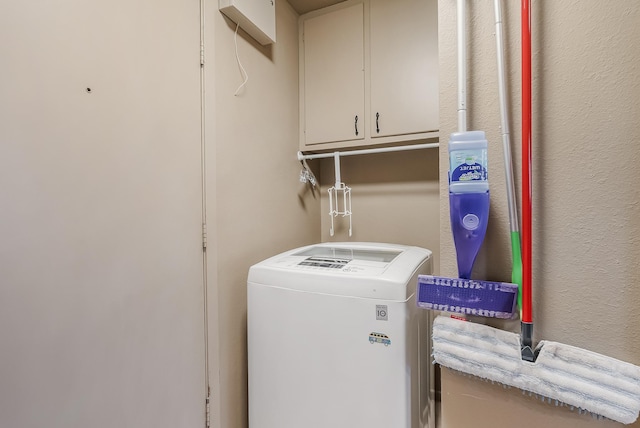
column 573, row 376
column 467, row 296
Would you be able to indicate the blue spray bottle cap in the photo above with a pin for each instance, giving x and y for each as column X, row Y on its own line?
column 468, row 162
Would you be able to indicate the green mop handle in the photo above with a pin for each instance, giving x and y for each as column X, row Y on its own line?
column 516, row 270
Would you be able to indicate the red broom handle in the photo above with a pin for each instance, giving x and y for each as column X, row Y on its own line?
column 527, row 315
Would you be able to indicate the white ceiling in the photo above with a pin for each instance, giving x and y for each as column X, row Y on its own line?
column 304, row 6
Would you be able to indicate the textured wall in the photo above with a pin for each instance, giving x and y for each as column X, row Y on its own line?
column 586, row 131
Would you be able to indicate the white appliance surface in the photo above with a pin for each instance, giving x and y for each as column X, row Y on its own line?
column 335, row 338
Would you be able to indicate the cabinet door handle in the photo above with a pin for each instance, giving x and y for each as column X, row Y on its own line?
column 377, row 123
column 356, row 125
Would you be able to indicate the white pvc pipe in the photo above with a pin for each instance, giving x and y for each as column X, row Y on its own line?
column 302, row 156
column 462, row 66
column 336, row 161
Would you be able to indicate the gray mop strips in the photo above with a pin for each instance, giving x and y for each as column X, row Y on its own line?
column 577, row 377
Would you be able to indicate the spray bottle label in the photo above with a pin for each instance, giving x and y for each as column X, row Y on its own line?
column 468, row 165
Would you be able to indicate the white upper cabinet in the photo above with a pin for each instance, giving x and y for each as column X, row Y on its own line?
column 369, row 74
column 334, row 76
column 404, row 67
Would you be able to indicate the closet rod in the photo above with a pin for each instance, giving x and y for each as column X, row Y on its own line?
column 302, row 156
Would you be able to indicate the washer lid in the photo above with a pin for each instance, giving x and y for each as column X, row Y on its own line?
column 384, row 255
column 372, row 270
column 333, row 257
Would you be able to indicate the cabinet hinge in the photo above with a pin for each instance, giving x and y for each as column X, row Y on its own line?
column 201, row 54
column 208, row 413
column 204, row 236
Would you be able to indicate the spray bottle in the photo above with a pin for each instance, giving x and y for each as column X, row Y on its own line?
column 468, row 196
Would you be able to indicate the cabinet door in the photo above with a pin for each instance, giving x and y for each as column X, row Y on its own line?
column 334, row 76
column 404, row 67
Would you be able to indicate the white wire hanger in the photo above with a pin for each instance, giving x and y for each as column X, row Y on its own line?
column 306, row 175
column 337, row 193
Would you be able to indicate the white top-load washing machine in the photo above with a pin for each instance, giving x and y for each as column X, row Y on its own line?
column 336, row 340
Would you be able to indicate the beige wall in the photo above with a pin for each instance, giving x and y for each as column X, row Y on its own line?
column 256, row 205
column 585, row 146
column 395, row 199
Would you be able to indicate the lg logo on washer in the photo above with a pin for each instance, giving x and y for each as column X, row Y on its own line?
column 382, row 314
